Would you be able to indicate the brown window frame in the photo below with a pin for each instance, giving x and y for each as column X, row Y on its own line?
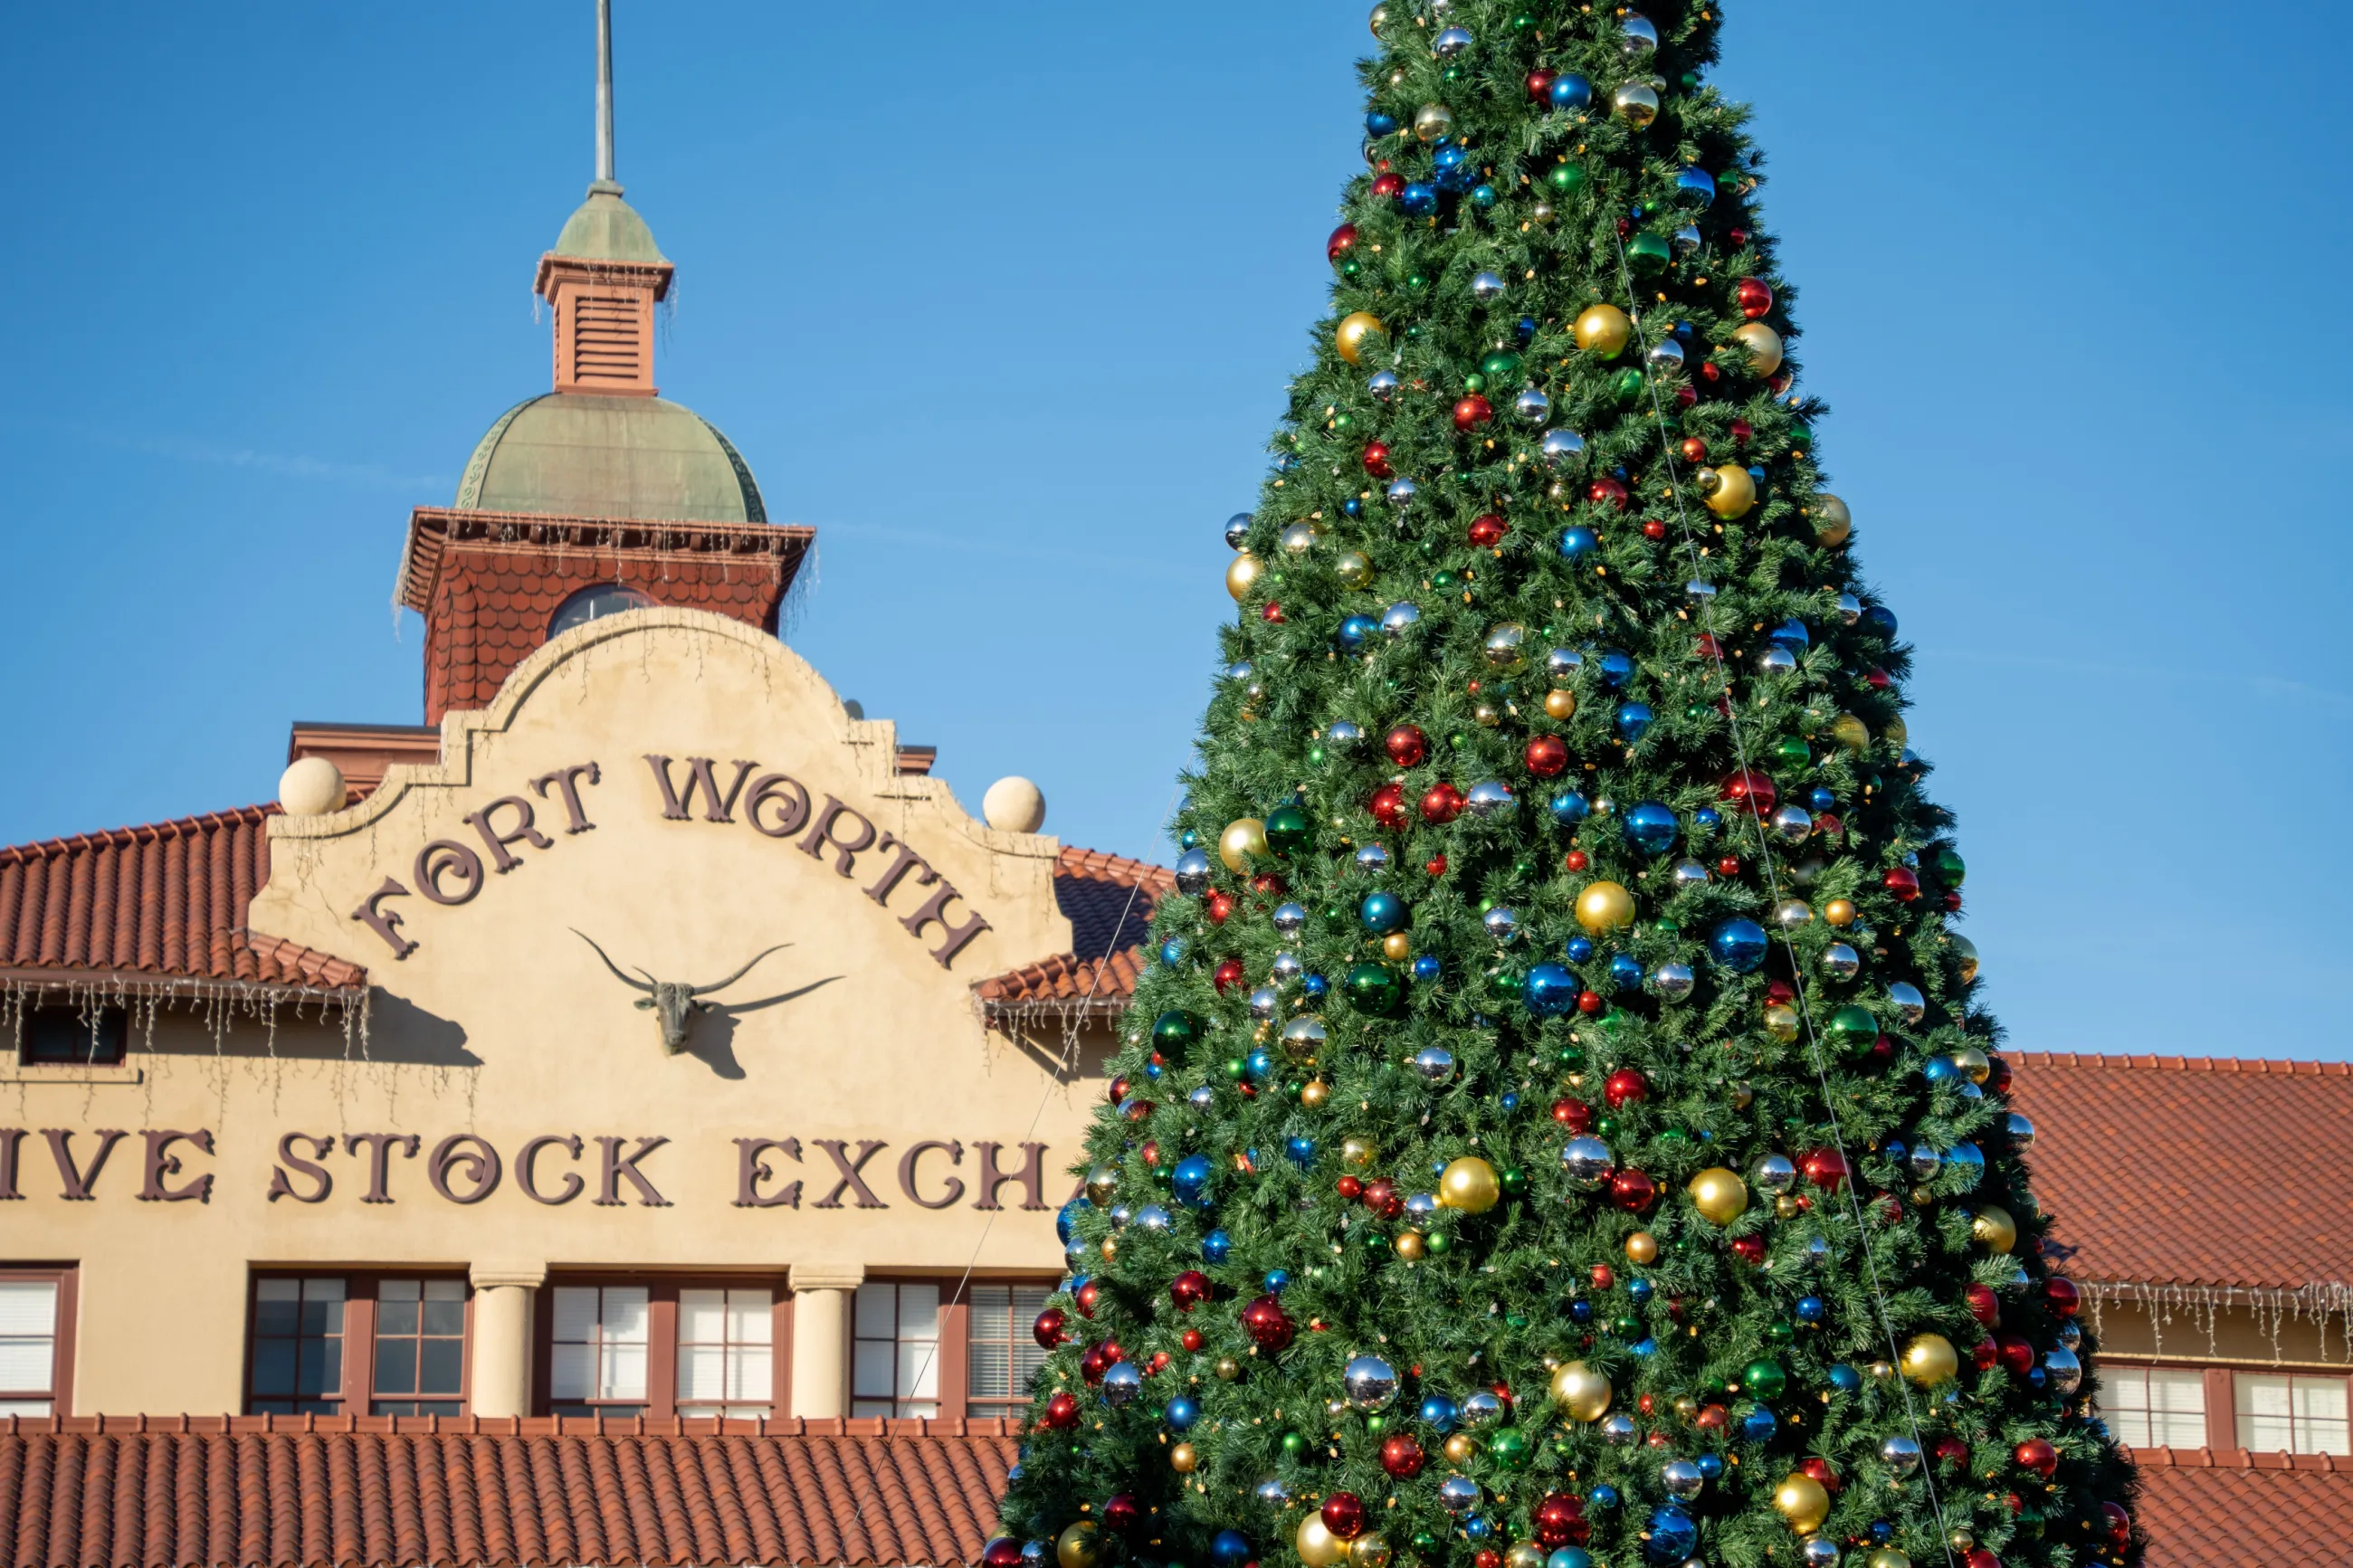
column 356, row 1392
column 110, row 1040
column 66, row 1276
column 953, row 1382
column 1015, row 1406
column 660, row 1403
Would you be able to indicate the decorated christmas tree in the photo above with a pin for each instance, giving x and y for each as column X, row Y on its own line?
column 1558, row 1127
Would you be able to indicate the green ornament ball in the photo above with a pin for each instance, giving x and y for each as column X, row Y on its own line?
column 1564, row 177
column 1626, row 1326
column 1646, row 251
column 1514, row 1180
column 1293, row 1444
column 1175, row 1030
column 1951, row 868
column 1628, row 384
column 1474, row 382
column 1765, row 1378
column 1500, row 366
column 1443, row 581
column 1237, row 1069
column 1852, row 1028
column 1790, row 750
column 1440, row 1243
column 1373, row 989
column 1288, row 831
column 1509, row 1448
column 1781, row 1333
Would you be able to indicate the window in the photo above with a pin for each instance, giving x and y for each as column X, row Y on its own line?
column 895, row 1350
column 598, row 1362
column 594, row 605
column 2297, row 1414
column 297, row 1366
column 725, row 1351
column 1001, row 1352
column 421, row 1348
column 76, row 1036
column 35, row 1342
column 2154, row 1408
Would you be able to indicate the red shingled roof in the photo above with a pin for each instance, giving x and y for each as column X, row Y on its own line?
column 1109, row 900
column 2193, row 1171
column 2236, row 1510
column 161, row 906
column 268, row 1493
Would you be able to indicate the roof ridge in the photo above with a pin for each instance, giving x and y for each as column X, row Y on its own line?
column 2287, row 1067
column 1076, row 861
column 137, row 832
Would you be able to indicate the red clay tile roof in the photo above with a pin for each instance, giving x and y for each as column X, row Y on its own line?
column 489, row 583
column 265, row 1492
column 1109, row 900
column 160, row 907
column 2236, row 1510
column 2193, row 1171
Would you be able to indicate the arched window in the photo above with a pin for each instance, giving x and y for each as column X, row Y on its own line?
column 594, row 603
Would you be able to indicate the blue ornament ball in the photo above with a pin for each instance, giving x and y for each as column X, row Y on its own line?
column 1438, row 1411
column 1625, row 971
column 1382, row 913
column 1880, row 620
column 1278, row 1281
column 1617, row 667
column 1419, row 199
column 1758, row 1426
column 1356, row 631
column 1066, row 1222
column 1711, row 1465
column 1694, row 189
column 1182, row 1412
column 1550, row 990
column 1580, row 1311
column 1353, row 507
column 1314, row 985
column 1844, row 1378
column 1172, row 952
column 1811, row 1309
column 1426, row 968
column 1790, row 634
column 1526, row 329
column 1570, row 1557
column 1189, row 1182
column 1634, row 720
column 1477, row 1529
column 1579, row 948
column 1822, row 798
column 1231, row 1549
column 1483, row 196
column 1641, row 1289
column 1707, row 817
column 1215, row 1246
column 1570, row 808
column 1576, row 544
column 1379, row 124
column 1674, row 1535
column 1649, row 827
column 1603, row 1495
column 1260, row 1065
column 1570, row 91
column 1739, row 945
column 1301, row 1151
column 1940, row 1070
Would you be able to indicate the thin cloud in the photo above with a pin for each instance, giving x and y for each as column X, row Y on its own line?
column 188, row 449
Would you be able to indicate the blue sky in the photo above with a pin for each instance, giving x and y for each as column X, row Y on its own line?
column 1004, row 299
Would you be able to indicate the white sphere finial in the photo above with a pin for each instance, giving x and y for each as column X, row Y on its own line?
column 310, row 787
column 1014, row 806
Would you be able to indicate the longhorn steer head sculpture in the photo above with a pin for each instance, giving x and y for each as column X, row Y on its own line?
column 672, row 1003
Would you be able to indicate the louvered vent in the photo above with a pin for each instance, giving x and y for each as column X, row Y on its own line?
column 608, row 341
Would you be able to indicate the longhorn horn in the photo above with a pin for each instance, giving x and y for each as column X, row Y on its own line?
column 644, row 985
column 724, row 985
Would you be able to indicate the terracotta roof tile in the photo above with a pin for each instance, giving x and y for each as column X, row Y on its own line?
column 1109, row 900
column 284, row 1492
column 2193, row 1171
column 2200, row 1509
column 165, row 902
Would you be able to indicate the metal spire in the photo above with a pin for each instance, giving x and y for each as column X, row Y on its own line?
column 605, row 93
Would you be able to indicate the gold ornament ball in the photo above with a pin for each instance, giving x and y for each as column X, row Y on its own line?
column 1637, row 103
column 1642, row 1248
column 1839, row 911
column 1181, row 1458
column 1786, row 1207
column 1781, row 1022
column 1967, row 952
column 1963, row 1540
column 1314, row 1093
column 1076, row 1547
column 1469, row 1183
column 1560, row 705
column 1240, row 841
column 1762, row 344
column 1432, row 122
column 1101, row 1181
column 1604, row 330
column 1503, row 647
column 1581, row 1391
column 1411, row 1247
column 1524, row 1554
column 1353, row 568
column 1110, row 1249
column 1318, row 1547
column 1993, row 1226
column 1228, row 1368
column 1801, row 1500
column 1358, row 331
column 1242, row 574
column 1378, row 19
column 1396, row 946
column 1930, row 1360
column 1888, row 1557
column 1540, row 215
column 1851, row 733
column 1735, row 495
column 1743, row 1092
column 1833, row 524
column 1604, row 905
column 1896, row 732
column 1720, row 1195
column 1358, row 1150
column 1973, row 1062
column 1459, row 1449
column 1298, row 539
column 1370, row 1550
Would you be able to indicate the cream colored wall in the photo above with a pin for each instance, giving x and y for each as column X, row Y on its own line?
column 502, row 1024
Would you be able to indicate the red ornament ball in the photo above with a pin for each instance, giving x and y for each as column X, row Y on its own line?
column 1750, row 1249
column 1576, row 860
column 1121, row 1510
column 1749, row 787
column 2120, row 1525
column 1901, row 881
column 1950, row 1450
column 1191, row 1339
column 1442, row 803
column 1653, row 528
column 1268, row 1325
column 1061, row 1411
column 1271, row 614
column 1984, row 1305
column 1825, row 1168
column 1402, row 1456
column 1086, row 1297
column 1405, row 745
column 1349, row 1188
column 1472, row 412
column 1388, row 186
column 1589, row 1002
column 1388, row 805
column 1116, row 1090
column 1270, row 883
column 1685, row 395
column 1540, row 85
column 1220, row 905
column 1002, row 1553
column 2017, row 1354
column 1097, row 1362
column 1343, row 1515
column 1487, row 529
column 1624, row 1084
column 2059, row 1293
column 1632, row 1191
column 1226, row 977
column 1729, row 866
column 2038, row 1456
column 1825, row 1476
column 1560, row 1520
column 1694, row 450
column 1376, row 459
column 1189, row 1289
column 1573, row 1114
column 1742, row 430
column 1343, row 240
column 1547, row 756
column 1486, row 1557
column 1435, row 866
column 1606, row 491
column 1755, row 297
column 1602, row 1276
column 1052, row 1327
column 1979, row 1557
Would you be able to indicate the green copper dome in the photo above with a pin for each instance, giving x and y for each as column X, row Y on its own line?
column 607, row 228
column 580, row 455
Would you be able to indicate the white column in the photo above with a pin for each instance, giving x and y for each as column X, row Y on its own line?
column 821, row 1306
column 503, row 1296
